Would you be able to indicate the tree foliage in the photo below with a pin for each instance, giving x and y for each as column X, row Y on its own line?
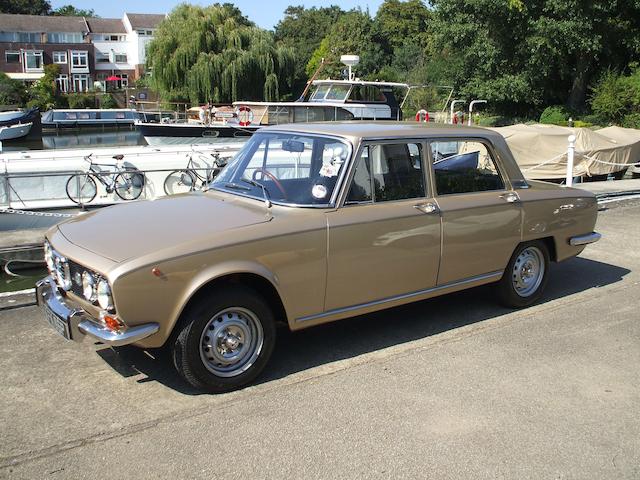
column 12, row 92
column 27, row 7
column 71, row 11
column 215, row 53
column 42, row 93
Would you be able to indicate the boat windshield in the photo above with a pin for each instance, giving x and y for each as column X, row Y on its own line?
column 335, row 92
column 294, row 169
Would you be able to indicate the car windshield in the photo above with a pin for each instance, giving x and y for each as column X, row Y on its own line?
column 293, row 169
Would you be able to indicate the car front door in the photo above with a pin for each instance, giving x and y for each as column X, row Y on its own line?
column 384, row 241
column 481, row 214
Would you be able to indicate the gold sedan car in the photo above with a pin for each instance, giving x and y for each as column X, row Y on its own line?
column 309, row 224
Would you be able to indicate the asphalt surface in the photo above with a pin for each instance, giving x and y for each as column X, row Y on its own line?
column 454, row 387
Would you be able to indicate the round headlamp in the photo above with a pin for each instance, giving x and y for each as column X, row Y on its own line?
column 105, row 300
column 89, row 286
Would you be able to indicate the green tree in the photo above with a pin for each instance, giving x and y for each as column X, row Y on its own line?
column 42, row 93
column 402, row 22
column 71, row 11
column 28, row 7
column 352, row 34
column 303, row 29
column 215, row 53
column 12, row 92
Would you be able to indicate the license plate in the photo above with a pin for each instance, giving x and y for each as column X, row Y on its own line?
column 60, row 325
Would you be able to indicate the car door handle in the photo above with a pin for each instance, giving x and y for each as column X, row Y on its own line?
column 511, row 197
column 429, row 208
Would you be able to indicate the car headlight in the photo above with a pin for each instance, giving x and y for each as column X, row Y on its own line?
column 105, row 300
column 89, row 286
column 48, row 257
column 62, row 273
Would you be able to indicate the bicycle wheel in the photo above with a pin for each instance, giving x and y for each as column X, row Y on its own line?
column 129, row 185
column 179, row 181
column 81, row 188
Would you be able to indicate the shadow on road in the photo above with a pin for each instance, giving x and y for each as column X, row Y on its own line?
column 297, row 351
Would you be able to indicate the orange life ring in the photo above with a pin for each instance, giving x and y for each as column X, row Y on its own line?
column 245, row 116
column 422, row 116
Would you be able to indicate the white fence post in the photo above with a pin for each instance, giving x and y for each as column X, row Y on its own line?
column 571, row 150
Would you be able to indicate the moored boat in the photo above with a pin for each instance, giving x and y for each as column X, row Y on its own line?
column 56, row 119
column 17, row 130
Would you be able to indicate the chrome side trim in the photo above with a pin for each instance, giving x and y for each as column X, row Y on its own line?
column 487, row 276
column 585, row 239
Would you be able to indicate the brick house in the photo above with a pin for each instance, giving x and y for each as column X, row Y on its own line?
column 88, row 50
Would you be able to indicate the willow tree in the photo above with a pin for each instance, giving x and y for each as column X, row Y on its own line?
column 215, row 53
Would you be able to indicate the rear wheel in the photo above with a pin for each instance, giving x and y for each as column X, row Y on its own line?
column 526, row 275
column 225, row 340
column 129, row 185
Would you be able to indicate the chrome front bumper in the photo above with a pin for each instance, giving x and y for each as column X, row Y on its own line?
column 585, row 239
column 81, row 324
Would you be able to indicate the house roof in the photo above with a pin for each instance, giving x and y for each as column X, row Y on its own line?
column 145, row 20
column 41, row 23
column 106, row 25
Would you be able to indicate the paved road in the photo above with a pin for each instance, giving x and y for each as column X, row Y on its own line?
column 454, row 387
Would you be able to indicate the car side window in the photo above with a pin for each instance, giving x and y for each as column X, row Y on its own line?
column 464, row 166
column 387, row 172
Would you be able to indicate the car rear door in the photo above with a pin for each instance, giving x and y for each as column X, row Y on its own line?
column 481, row 214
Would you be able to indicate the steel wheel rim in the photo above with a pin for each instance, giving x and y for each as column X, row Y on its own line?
column 528, row 271
column 231, row 342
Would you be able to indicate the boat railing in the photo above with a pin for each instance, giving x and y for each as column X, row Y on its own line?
column 37, row 189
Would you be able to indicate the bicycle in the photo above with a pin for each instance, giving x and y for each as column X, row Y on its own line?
column 127, row 182
column 186, row 180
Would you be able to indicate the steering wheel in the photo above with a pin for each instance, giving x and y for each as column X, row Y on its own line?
column 272, row 177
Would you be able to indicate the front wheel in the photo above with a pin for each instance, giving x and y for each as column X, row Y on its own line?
column 526, row 275
column 224, row 341
column 179, row 181
column 81, row 188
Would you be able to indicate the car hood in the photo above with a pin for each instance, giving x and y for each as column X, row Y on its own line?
column 134, row 229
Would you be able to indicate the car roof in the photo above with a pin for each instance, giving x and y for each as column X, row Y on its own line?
column 370, row 130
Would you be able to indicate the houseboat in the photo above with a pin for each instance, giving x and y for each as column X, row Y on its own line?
column 56, row 119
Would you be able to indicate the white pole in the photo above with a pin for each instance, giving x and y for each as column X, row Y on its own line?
column 571, row 150
column 471, row 108
column 453, row 104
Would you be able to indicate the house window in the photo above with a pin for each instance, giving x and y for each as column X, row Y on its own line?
column 102, row 57
column 59, row 57
column 33, row 60
column 80, row 83
column 12, row 57
column 64, row 37
column 124, row 80
column 121, row 57
column 145, row 33
column 62, row 82
column 80, row 60
column 22, row 37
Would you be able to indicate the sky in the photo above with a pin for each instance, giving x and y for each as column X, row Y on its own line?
column 265, row 13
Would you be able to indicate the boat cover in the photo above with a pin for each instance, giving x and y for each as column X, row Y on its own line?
column 541, row 150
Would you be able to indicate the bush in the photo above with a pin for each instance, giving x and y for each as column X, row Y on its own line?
column 107, row 101
column 42, row 93
column 555, row 115
column 493, row 121
column 594, row 119
column 12, row 92
column 631, row 120
column 582, row 124
column 81, row 100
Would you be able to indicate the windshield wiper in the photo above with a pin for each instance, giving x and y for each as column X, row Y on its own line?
column 235, row 186
column 265, row 192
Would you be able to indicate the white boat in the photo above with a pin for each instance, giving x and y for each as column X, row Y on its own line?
column 11, row 115
column 18, row 130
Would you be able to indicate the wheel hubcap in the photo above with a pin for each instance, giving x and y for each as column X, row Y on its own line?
column 231, row 342
column 528, row 271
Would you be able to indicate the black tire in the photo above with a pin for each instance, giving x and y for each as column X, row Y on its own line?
column 129, row 185
column 513, row 289
column 179, row 181
column 216, row 315
column 81, row 188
